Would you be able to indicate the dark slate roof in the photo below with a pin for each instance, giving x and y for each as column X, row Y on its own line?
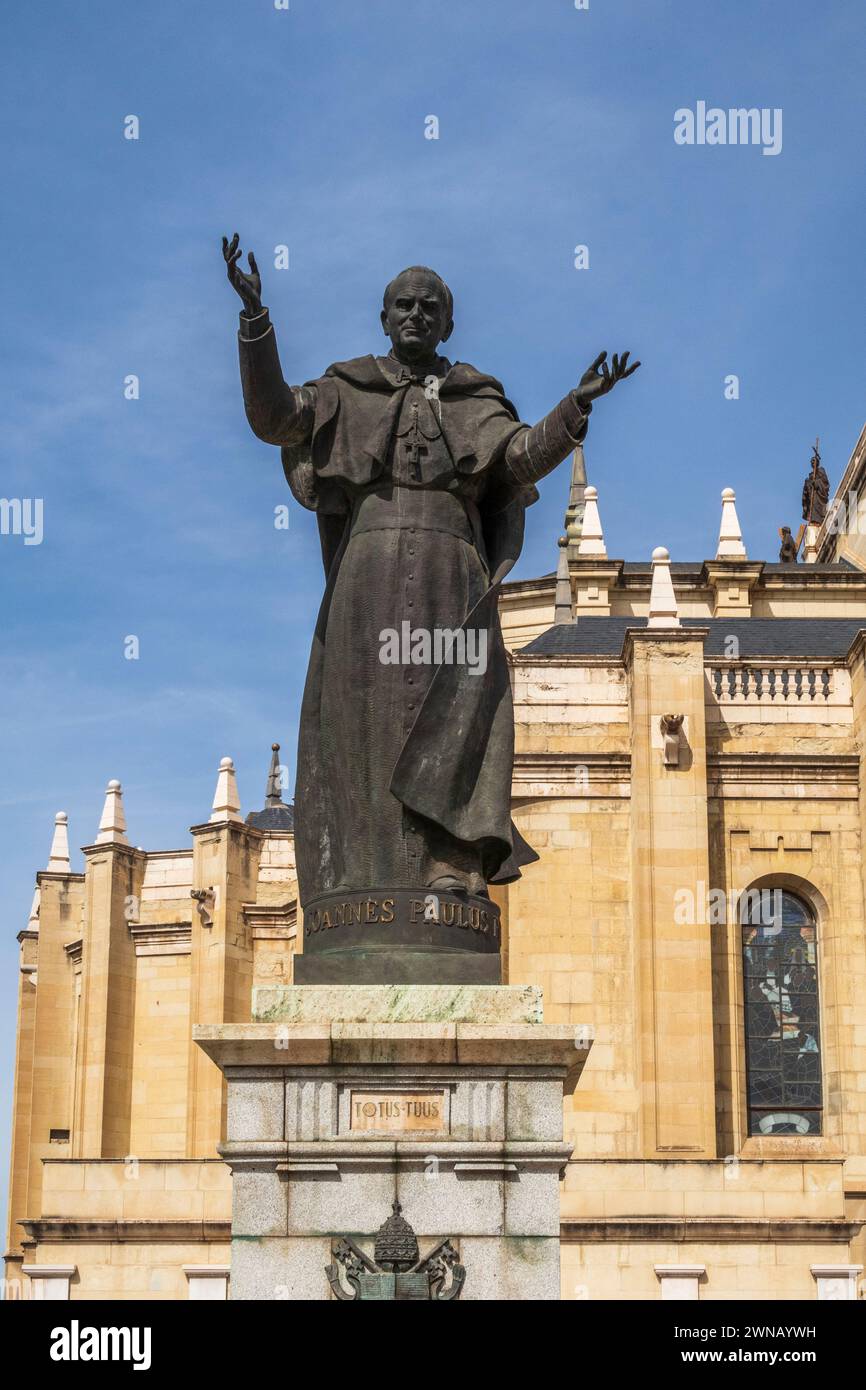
column 273, row 818
column 821, row 638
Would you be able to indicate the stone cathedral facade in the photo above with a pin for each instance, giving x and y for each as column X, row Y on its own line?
column 691, row 768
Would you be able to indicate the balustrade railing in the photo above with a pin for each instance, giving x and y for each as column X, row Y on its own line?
column 771, row 684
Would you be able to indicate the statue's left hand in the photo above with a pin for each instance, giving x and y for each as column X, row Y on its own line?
column 598, row 379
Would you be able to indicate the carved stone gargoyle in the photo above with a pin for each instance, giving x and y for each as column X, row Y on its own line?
column 205, row 901
column 671, row 724
column 396, row 1272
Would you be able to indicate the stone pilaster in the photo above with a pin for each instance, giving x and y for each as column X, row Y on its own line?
column 22, row 1098
column 670, row 869
column 53, row 1027
column 225, row 869
column 113, row 878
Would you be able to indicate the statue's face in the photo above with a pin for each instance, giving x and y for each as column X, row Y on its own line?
column 416, row 317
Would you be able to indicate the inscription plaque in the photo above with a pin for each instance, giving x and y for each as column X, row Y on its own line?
column 400, row 937
column 400, row 1111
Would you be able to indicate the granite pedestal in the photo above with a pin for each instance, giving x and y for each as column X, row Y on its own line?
column 344, row 1100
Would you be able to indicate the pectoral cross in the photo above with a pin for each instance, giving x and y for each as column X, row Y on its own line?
column 415, row 445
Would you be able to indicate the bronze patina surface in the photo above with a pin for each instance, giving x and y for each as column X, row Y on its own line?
column 419, row 470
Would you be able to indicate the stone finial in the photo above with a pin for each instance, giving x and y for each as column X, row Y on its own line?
column 562, row 603
column 730, row 536
column 58, row 859
column 226, row 803
column 112, row 823
column 576, row 497
column 591, row 535
column 663, row 610
column 274, row 789
column 33, row 921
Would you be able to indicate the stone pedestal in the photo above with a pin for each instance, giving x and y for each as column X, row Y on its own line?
column 447, row 1101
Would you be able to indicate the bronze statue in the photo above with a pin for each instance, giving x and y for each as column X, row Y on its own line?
column 816, row 491
column 419, row 472
column 788, row 551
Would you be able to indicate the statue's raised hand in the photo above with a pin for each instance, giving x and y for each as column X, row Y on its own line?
column 248, row 286
column 598, row 379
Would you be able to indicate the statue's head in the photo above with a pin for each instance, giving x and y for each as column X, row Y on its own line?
column 417, row 313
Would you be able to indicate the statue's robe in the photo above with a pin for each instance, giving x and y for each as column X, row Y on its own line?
column 404, row 771
column 816, row 495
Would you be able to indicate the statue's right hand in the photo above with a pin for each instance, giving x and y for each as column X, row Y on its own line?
column 248, row 286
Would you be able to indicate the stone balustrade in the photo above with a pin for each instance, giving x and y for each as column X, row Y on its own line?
column 777, row 683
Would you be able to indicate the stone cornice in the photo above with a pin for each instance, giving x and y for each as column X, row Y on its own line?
column 215, row 827
column 857, row 649
column 715, row 571
column 606, row 661
column 588, row 566
column 61, row 1229
column 343, row 1155
column 113, row 847
column 513, row 587
column 791, row 767
column 265, row 918
column 570, row 774
column 161, row 938
column 503, row 1049
column 804, row 576
column 710, row 1230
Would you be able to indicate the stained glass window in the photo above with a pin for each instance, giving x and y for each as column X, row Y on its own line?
column 783, row 1041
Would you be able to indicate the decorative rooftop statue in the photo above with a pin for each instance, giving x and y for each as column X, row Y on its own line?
column 816, row 491
column 788, row 552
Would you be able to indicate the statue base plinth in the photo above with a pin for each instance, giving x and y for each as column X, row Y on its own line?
column 332, row 1120
column 382, row 936
column 396, row 1003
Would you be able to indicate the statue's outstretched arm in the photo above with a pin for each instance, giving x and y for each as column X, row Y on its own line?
column 534, row 452
column 278, row 413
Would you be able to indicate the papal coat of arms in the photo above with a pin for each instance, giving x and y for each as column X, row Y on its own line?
column 396, row 1270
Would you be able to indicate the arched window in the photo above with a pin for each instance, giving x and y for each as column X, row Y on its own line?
column 780, row 986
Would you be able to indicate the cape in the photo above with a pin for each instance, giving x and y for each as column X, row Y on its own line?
column 455, row 781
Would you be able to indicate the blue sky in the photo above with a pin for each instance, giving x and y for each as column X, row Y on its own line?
column 306, row 128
